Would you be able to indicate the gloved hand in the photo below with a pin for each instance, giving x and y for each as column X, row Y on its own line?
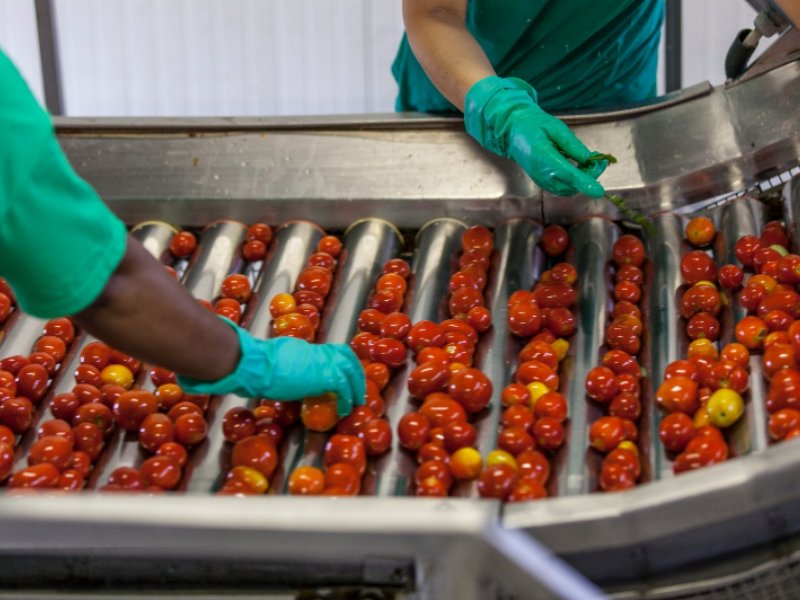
column 502, row 114
column 289, row 369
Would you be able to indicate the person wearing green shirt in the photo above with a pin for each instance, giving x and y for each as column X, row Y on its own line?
column 64, row 253
column 507, row 63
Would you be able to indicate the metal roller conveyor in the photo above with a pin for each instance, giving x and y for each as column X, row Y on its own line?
column 518, row 262
column 155, row 237
column 367, row 245
column 291, row 246
column 667, row 339
column 745, row 216
column 218, row 254
column 592, row 241
column 436, row 246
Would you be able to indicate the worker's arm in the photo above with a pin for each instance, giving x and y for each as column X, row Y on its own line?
column 501, row 114
column 448, row 52
column 65, row 253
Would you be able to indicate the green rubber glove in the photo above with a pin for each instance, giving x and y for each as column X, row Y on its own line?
column 289, row 369
column 502, row 114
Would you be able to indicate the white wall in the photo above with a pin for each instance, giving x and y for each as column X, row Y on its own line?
column 262, row 57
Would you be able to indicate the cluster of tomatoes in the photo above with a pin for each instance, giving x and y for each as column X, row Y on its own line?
column 532, row 423
column 7, row 302
column 615, row 383
column 256, row 433
column 772, row 327
column 702, row 394
column 450, row 389
column 380, row 345
column 24, row 381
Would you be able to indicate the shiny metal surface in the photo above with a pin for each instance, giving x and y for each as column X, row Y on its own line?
column 299, row 533
column 20, row 333
column 518, row 262
column 217, row 255
column 367, row 244
column 746, row 216
column 592, row 241
column 292, row 244
column 707, row 146
column 790, row 202
column 667, row 338
column 155, row 236
column 434, row 260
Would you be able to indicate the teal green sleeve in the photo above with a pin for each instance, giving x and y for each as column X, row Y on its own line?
column 59, row 243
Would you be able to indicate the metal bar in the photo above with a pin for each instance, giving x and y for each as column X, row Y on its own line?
column 218, row 254
column 49, row 55
column 592, row 241
column 436, row 246
column 367, row 245
column 293, row 244
column 746, row 216
column 517, row 265
column 674, row 39
column 667, row 339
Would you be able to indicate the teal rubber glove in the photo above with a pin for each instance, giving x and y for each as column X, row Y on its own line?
column 289, row 369
column 502, row 114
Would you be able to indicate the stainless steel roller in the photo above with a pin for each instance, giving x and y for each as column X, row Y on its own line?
column 292, row 244
column 367, row 245
column 436, row 246
column 218, row 254
column 517, row 264
column 746, row 216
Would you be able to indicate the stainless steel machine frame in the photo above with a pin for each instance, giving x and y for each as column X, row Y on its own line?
column 694, row 145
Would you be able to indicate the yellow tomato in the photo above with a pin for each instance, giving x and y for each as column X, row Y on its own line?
column 701, row 417
column 118, row 375
column 536, row 389
column 466, row 463
column 630, row 446
column 500, row 457
column 561, row 348
column 725, row 407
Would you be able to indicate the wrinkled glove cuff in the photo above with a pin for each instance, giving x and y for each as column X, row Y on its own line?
column 253, row 364
column 488, row 105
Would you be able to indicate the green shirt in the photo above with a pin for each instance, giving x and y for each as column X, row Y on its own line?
column 575, row 53
column 59, row 244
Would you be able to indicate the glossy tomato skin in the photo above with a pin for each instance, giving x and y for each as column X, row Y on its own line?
column 427, row 378
column 183, row 244
column 40, row 476
column 676, row 430
column 601, row 384
column 162, row 471
column 346, row 449
column 306, row 481
column 554, row 240
column 260, row 231
column 628, row 250
column 678, row 394
column 257, row 452
column 548, row 433
column 472, row 389
column 497, row 482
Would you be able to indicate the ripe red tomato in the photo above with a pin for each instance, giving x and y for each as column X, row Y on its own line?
column 257, row 452
column 41, row 476
column 389, row 351
column 183, row 244
column 628, row 250
column 703, row 325
column 625, row 406
column 601, row 384
column 175, row 451
column 782, row 422
column 377, row 436
column 254, row 250
column 96, row 354
column 16, row 413
column 89, row 439
column 237, row 287
column 606, row 433
column 306, row 481
column 53, row 449
column 397, row 265
column 472, row 389
column 309, row 297
column 423, row 334
column 750, row 332
column 697, row 266
column 515, row 394
column 427, row 378
column 517, row 416
column 700, row 231
column 463, row 300
column 676, row 431
column 560, row 321
column 497, row 481
column 524, row 318
column 548, row 433
column 477, row 238
column 61, row 328
column 533, row 370
column 515, row 440
column 293, row 325
column 440, row 410
column 744, row 248
column 479, row 318
column 554, row 240
column 162, row 471
column 331, row 245
column 190, row 429
column 678, row 394
column 132, row 407
column 627, row 291
column 156, row 429
column 319, row 413
column 260, row 231
column 343, row 476
column 616, row 477
column 554, row 295
column 730, row 277
column 551, row 404
column 32, row 382
column 52, row 345
column 346, row 449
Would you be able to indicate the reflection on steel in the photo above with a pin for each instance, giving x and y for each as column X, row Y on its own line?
column 667, row 339
column 155, row 236
column 745, row 216
column 456, row 548
column 218, row 255
column 791, row 210
column 292, row 244
column 517, row 265
column 21, row 332
column 711, row 145
column 434, row 260
column 592, row 241
column 367, row 245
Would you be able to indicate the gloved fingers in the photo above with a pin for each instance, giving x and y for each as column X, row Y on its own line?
column 566, row 178
column 566, row 141
column 352, row 387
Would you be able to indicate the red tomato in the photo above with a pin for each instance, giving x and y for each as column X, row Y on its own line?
column 397, row 265
column 236, row 287
column 440, row 410
column 615, row 477
column 551, row 404
column 306, row 481
column 32, row 381
column 377, row 436
column 497, row 481
column 730, row 277
column 601, row 384
column 343, row 476
column 183, row 244
column 162, row 471
column 254, row 250
column 331, row 245
column 389, row 351
column 676, row 431
column 678, row 394
column 41, row 476
column 782, row 422
column 478, row 238
column 548, row 433
column 700, row 231
column 554, row 240
column 524, row 318
column 472, row 389
column 52, row 449
column 423, row 334
column 132, row 407
column 533, row 370
column 703, row 325
column 190, row 429
column 260, row 231
column 606, row 433
column 628, row 250
column 750, row 332
column 427, row 378
column 346, row 449
column 16, row 413
column 61, row 328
